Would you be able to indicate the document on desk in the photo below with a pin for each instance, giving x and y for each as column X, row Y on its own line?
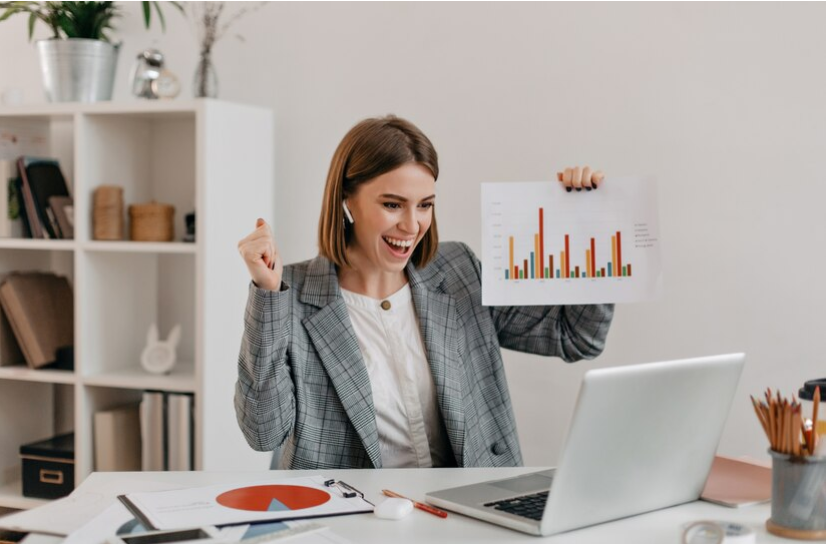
column 231, row 504
column 543, row 245
column 67, row 515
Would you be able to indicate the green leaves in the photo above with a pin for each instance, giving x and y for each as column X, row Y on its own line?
column 90, row 20
column 147, row 12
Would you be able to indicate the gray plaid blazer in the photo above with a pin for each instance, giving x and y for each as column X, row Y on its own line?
column 302, row 383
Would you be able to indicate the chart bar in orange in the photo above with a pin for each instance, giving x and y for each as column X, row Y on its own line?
column 619, row 252
column 588, row 263
column 567, row 257
column 614, row 256
column 537, row 262
column 593, row 272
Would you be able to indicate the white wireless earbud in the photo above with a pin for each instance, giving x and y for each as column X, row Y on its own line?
column 347, row 212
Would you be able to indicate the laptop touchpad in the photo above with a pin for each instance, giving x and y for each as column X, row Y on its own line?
column 532, row 482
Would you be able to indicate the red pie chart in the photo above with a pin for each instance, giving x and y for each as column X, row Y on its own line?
column 273, row 498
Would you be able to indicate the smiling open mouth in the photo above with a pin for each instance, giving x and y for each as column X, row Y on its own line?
column 398, row 247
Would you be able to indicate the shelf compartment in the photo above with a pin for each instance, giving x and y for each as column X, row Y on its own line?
column 181, row 379
column 26, row 374
column 29, row 412
column 151, row 157
column 131, row 292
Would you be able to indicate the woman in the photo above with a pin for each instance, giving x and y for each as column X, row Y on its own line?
column 378, row 352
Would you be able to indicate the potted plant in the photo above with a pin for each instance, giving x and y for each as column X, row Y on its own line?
column 79, row 59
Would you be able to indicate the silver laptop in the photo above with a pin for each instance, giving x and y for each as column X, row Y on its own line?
column 642, row 437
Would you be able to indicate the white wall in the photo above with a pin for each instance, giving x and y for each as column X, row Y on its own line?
column 725, row 103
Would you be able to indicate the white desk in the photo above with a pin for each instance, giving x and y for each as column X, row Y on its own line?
column 660, row 527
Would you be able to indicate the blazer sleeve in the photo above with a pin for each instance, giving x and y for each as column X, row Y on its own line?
column 569, row 332
column 264, row 391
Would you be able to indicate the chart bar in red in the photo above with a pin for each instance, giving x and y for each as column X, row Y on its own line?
column 551, row 265
column 541, row 238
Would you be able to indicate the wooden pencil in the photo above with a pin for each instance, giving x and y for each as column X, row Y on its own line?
column 787, row 427
column 795, row 430
column 759, row 413
column 761, row 416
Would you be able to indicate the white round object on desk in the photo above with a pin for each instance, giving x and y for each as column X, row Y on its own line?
column 393, row 508
column 717, row 532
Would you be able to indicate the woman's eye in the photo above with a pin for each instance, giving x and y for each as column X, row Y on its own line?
column 427, row 205
column 391, row 205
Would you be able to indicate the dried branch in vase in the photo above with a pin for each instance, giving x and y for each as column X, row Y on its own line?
column 211, row 24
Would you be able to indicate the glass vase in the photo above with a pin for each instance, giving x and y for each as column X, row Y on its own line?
column 205, row 83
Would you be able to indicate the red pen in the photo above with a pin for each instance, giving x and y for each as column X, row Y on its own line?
column 420, row 505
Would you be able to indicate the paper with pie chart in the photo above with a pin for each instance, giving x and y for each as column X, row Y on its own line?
column 545, row 246
column 229, row 504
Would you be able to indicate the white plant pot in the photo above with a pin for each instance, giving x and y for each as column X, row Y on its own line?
column 78, row 70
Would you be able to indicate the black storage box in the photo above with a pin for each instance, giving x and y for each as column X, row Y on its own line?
column 49, row 467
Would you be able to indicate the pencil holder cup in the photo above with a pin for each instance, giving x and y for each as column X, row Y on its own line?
column 798, row 497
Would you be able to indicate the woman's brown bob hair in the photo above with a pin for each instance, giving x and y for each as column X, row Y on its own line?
column 372, row 148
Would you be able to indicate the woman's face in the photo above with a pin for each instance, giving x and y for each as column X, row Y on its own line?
column 392, row 214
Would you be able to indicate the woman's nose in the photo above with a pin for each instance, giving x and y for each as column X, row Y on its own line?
column 409, row 223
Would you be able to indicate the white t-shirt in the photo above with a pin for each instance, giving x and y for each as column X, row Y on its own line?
column 411, row 432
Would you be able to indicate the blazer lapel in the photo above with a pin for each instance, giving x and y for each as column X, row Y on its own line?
column 436, row 311
column 335, row 341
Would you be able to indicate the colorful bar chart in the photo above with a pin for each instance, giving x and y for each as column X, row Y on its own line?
column 543, row 245
column 588, row 269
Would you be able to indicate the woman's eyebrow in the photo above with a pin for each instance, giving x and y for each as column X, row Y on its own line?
column 403, row 199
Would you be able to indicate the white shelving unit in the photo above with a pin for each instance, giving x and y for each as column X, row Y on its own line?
column 208, row 156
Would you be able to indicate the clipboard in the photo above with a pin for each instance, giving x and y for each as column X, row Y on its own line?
column 254, row 502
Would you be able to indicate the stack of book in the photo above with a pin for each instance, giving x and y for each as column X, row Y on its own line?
column 155, row 434
column 38, row 308
column 39, row 204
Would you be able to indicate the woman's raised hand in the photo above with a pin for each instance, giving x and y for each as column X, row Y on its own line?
column 261, row 257
column 580, row 178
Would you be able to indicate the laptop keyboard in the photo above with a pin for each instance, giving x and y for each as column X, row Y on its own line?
column 528, row 506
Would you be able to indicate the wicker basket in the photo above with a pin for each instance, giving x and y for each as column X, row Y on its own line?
column 107, row 213
column 152, row 222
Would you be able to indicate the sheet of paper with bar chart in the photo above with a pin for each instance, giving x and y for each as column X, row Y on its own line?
column 543, row 245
